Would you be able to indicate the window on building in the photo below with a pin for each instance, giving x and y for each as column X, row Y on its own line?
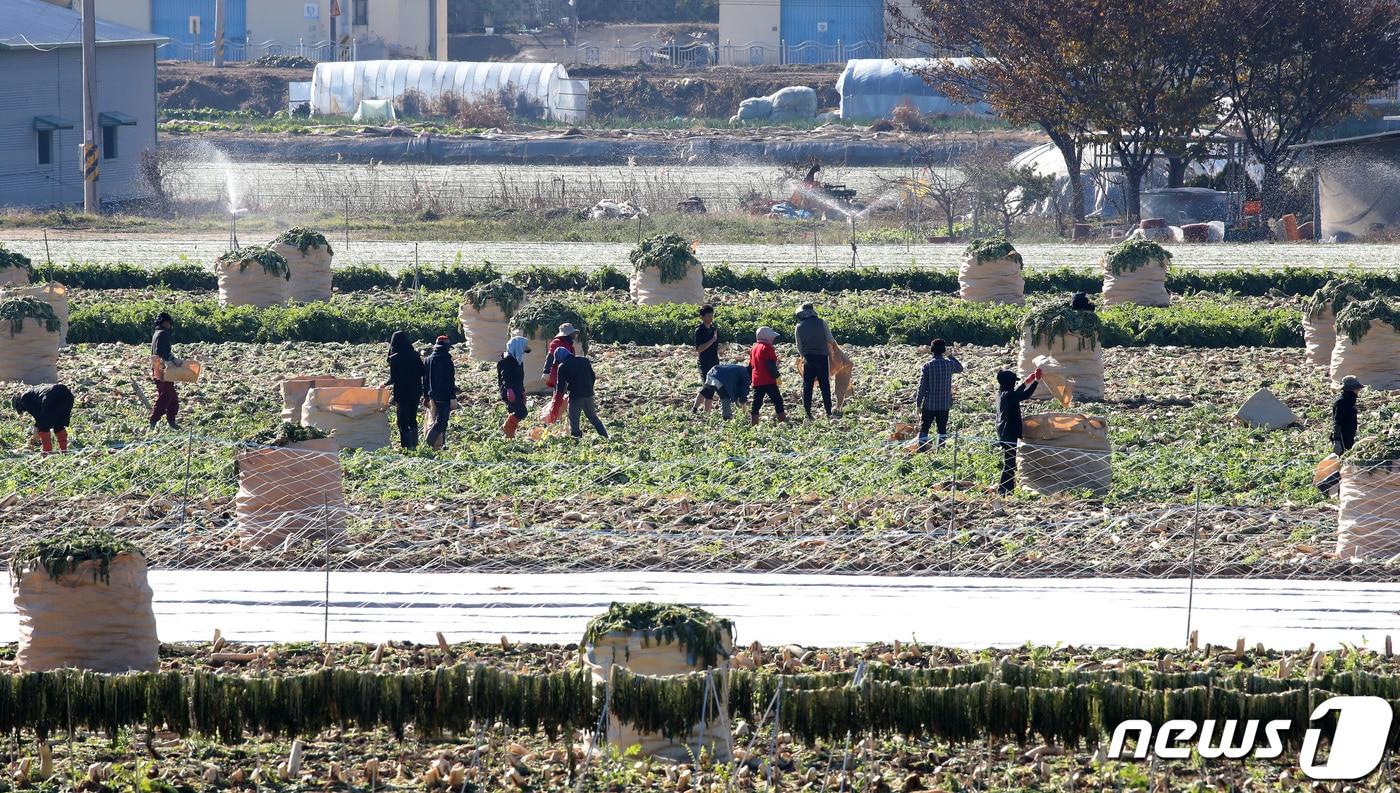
column 109, row 142
column 360, row 12
column 45, row 137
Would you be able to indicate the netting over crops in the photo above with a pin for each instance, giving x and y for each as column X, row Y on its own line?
column 890, row 512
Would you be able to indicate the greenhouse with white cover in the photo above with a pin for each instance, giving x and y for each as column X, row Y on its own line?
column 871, row 88
column 337, row 89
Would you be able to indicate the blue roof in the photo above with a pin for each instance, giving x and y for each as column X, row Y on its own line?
column 35, row 24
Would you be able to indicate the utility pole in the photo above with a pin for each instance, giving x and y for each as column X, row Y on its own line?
column 89, row 160
column 335, row 41
column 218, row 33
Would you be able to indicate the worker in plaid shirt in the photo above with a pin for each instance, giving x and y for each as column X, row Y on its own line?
column 935, row 397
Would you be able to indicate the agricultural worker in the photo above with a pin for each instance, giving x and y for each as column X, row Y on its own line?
column 439, row 389
column 1081, row 302
column 1009, row 429
column 814, row 342
column 52, row 408
column 935, row 396
column 406, row 378
column 730, row 382
column 510, row 379
column 763, row 368
column 167, row 401
column 576, row 380
column 707, row 351
column 567, row 338
column 1343, row 428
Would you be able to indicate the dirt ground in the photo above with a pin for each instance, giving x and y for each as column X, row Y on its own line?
column 234, row 87
column 636, row 92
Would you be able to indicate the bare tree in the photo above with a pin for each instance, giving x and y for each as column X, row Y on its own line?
column 1292, row 65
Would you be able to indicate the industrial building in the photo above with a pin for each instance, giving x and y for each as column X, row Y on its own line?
column 41, row 129
column 803, row 31
column 378, row 28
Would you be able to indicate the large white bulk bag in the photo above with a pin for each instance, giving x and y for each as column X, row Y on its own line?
column 29, row 345
column 53, row 293
column 244, row 280
column 1065, row 451
column 289, row 492
column 311, row 272
column 1368, row 520
column 357, row 417
column 1135, row 271
column 649, row 290
column 1368, row 345
column 485, row 318
column 81, row 620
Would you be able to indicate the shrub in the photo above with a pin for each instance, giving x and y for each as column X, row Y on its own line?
column 362, row 277
column 483, row 113
column 412, row 103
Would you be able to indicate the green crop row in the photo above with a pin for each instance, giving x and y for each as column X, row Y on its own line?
column 1190, row 323
column 359, row 278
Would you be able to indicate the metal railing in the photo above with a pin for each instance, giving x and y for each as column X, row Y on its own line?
column 752, row 53
column 238, row 51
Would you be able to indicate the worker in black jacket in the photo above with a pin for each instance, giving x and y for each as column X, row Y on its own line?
column 406, row 378
column 576, row 380
column 1343, row 429
column 510, row 381
column 1344, row 416
column 1009, row 428
column 52, row 408
column 439, row 389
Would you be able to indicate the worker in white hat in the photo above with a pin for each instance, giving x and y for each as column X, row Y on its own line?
column 763, row 368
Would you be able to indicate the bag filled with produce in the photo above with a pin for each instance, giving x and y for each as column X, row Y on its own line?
column 253, row 276
column 1368, row 518
column 85, row 605
column 1135, row 271
column 1320, row 317
column 1070, row 337
column 309, row 257
column 991, row 273
column 1368, row 344
column 29, row 341
column 485, row 318
column 665, row 270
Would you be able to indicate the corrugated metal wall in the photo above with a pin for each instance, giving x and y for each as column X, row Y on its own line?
column 48, row 84
column 855, row 24
column 172, row 18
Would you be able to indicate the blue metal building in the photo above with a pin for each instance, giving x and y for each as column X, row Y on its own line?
column 188, row 22
column 823, row 31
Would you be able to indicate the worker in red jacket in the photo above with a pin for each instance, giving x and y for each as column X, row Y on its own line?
column 763, row 368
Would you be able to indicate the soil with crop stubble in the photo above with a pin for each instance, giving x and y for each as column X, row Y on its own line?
column 234, row 87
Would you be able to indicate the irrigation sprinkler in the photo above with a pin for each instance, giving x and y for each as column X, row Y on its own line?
column 233, row 227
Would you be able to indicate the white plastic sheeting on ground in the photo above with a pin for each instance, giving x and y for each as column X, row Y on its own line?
column 825, row 610
column 337, row 89
column 872, row 87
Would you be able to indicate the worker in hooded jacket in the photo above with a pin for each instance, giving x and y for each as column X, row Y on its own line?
column 510, row 380
column 51, row 406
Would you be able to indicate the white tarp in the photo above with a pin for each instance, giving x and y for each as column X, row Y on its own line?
column 337, row 89
column 374, row 111
column 872, row 87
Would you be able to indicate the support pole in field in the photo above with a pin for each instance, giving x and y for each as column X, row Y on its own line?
column 91, row 205
column 48, row 257
column 347, row 223
column 185, row 494
column 219, row 6
column 326, row 611
column 1191, row 588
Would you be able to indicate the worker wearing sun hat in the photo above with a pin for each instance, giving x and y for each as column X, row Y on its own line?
column 167, row 404
column 567, row 338
column 439, row 390
column 763, row 369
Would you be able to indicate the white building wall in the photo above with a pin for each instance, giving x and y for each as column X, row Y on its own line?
column 743, row 22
